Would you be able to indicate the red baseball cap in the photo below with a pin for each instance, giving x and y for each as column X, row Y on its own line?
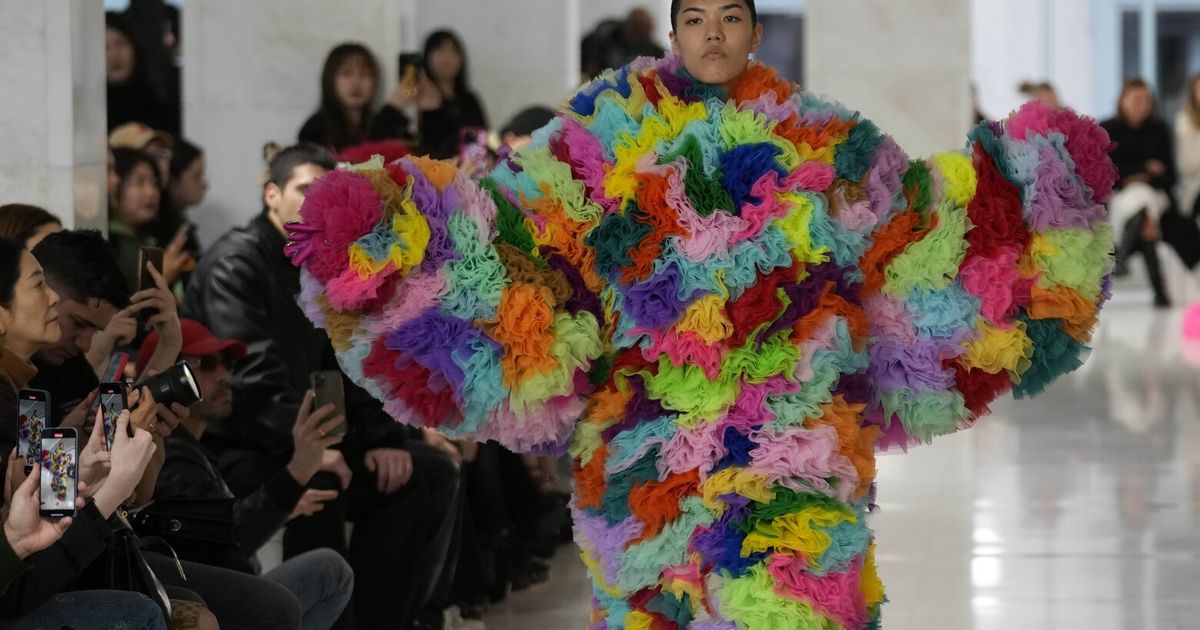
column 198, row 341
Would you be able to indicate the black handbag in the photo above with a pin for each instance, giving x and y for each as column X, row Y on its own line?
column 122, row 567
column 184, row 521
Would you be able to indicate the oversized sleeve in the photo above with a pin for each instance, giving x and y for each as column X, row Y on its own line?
column 986, row 269
column 440, row 302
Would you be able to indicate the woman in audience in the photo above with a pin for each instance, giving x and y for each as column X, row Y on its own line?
column 131, row 96
column 446, row 103
column 1146, row 166
column 1187, row 147
column 348, row 85
column 27, row 224
column 28, row 322
column 187, row 184
column 133, row 213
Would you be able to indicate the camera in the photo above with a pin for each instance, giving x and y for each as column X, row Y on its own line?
column 176, row 385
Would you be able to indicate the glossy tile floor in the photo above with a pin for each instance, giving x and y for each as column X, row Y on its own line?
column 1078, row 509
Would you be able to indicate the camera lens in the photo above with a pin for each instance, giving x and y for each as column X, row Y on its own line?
column 176, row 385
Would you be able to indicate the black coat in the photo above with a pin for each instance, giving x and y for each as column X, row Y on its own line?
column 245, row 288
column 191, row 472
column 1136, row 147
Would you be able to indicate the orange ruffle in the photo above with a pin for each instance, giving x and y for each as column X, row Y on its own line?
column 759, row 79
column 1079, row 315
column 889, row 241
column 663, row 222
column 522, row 328
column 441, row 173
column 657, row 503
column 855, row 442
column 589, row 480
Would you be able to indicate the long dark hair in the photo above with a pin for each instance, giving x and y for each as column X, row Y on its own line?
column 10, row 269
column 435, row 41
column 337, row 121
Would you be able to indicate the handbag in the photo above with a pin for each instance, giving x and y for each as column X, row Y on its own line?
column 122, row 567
column 183, row 520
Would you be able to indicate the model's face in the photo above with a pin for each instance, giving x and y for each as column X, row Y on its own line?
column 715, row 38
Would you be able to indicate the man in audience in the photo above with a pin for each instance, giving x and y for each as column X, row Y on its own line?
column 400, row 484
column 320, row 579
column 95, row 315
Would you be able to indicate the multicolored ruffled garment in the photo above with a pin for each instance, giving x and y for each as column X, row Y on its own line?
column 724, row 301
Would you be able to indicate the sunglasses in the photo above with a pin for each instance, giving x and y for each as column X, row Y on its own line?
column 210, row 362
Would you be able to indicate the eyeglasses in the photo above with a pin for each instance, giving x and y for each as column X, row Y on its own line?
column 210, row 362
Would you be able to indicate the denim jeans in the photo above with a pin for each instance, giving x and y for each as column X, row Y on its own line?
column 93, row 610
column 323, row 583
column 239, row 601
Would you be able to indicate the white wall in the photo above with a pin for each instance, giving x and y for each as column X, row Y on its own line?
column 905, row 65
column 52, row 112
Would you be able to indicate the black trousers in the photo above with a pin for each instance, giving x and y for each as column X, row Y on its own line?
column 1132, row 243
column 404, row 545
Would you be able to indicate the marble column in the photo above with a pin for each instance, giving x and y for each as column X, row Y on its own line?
column 52, row 115
column 906, row 64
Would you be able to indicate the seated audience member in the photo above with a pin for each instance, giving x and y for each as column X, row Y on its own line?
column 26, row 532
column 320, row 579
column 187, row 183
column 400, row 485
column 349, row 81
column 446, row 103
column 27, row 224
column 95, row 315
column 1142, row 196
column 28, row 323
column 159, row 145
column 132, row 216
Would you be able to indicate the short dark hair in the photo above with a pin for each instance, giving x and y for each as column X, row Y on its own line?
column 10, row 269
column 82, row 266
column 675, row 12
column 283, row 164
column 183, row 154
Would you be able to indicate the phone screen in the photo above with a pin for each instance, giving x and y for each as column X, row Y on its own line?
column 59, row 472
column 112, row 401
column 31, row 420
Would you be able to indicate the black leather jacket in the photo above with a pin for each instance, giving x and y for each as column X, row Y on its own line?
column 245, row 288
column 190, row 472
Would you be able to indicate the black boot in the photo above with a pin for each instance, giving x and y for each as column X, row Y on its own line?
column 1154, row 270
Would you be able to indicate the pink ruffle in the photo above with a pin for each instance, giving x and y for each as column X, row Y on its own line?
column 804, row 460
column 836, row 595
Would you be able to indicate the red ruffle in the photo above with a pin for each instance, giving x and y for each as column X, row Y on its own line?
column 995, row 212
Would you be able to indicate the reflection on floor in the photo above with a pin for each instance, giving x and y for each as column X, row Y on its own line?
column 1079, row 509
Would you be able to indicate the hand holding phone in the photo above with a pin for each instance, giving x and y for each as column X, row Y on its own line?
column 148, row 256
column 59, row 472
column 314, row 432
column 26, row 531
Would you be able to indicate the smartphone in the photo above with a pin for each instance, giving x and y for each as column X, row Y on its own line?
column 410, row 65
column 60, row 472
column 115, row 368
column 147, row 255
column 472, row 144
column 327, row 390
column 33, row 411
column 112, row 402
